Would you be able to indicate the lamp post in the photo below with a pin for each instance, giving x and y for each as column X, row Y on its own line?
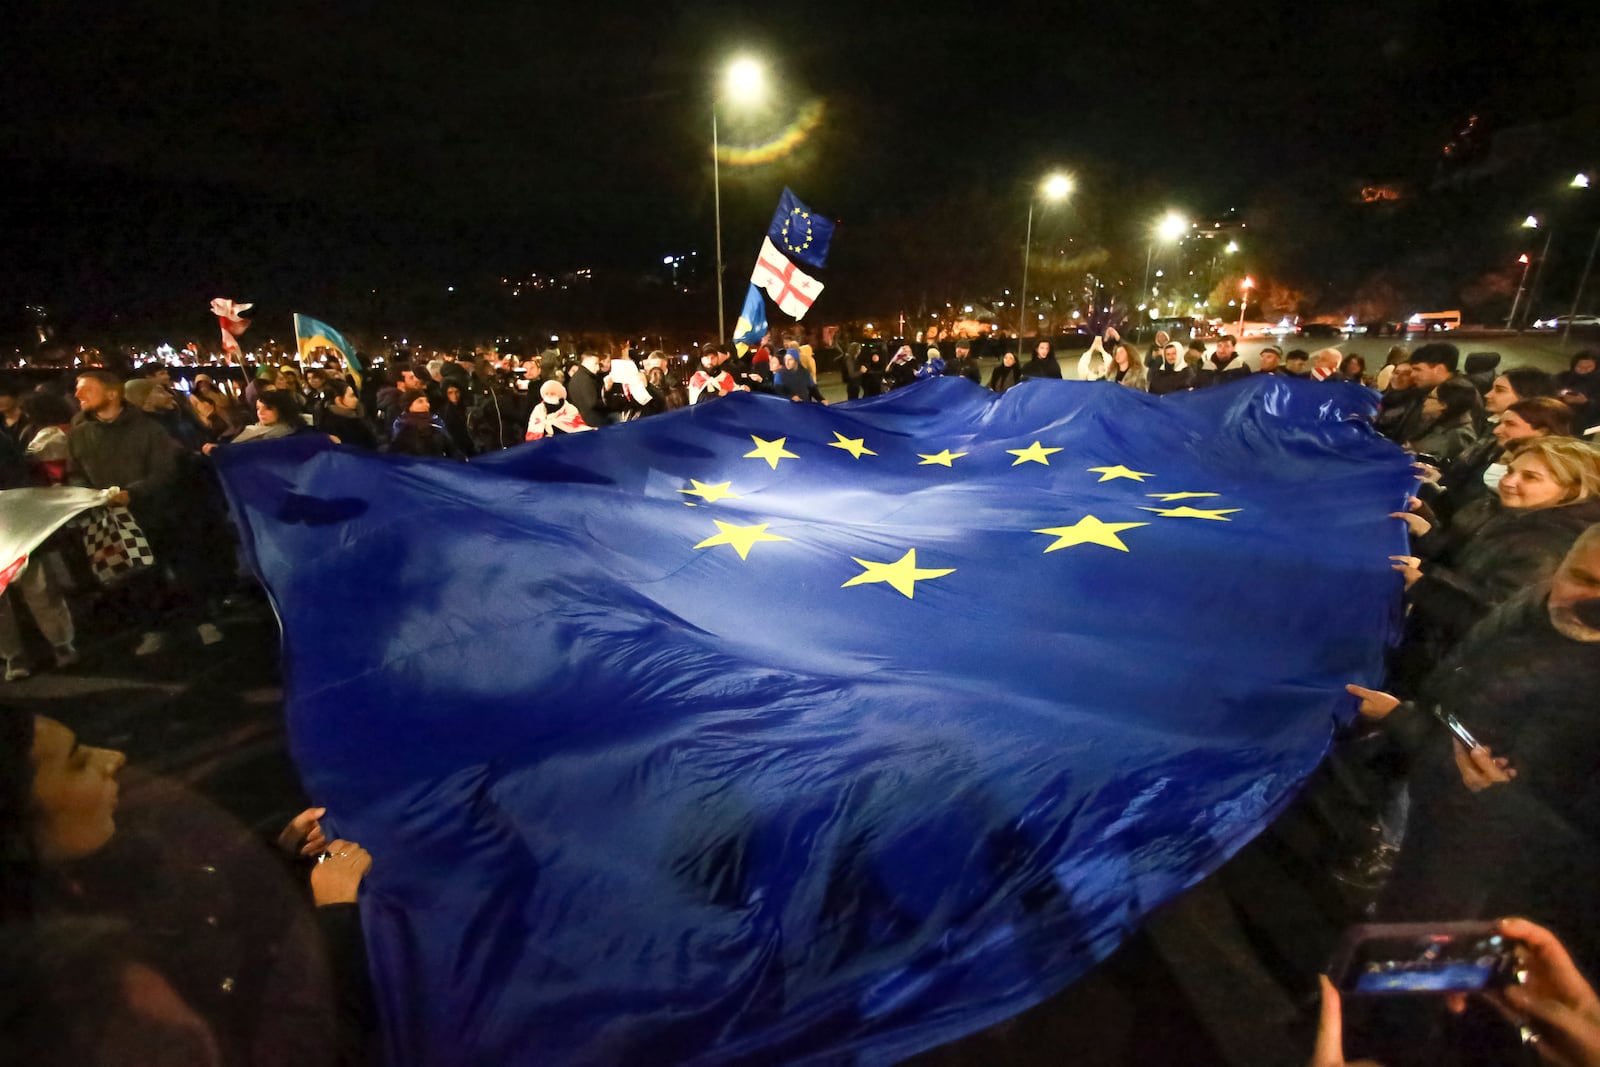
column 1521, row 287
column 745, row 80
column 1532, row 223
column 1245, row 286
column 1580, row 181
column 1171, row 227
column 1056, row 187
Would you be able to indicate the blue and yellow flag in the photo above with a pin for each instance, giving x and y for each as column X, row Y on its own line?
column 766, row 732
column 752, row 324
column 310, row 335
column 799, row 232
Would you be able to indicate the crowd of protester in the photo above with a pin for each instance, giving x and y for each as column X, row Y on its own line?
column 1501, row 632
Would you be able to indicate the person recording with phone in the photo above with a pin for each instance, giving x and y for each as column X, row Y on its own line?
column 1505, row 808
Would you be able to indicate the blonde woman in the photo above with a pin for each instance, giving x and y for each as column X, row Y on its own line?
column 1503, row 545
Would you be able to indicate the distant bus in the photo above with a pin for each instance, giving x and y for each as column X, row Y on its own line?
column 1428, row 321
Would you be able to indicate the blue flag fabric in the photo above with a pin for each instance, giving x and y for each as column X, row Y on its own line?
column 752, row 324
column 761, row 732
column 799, row 232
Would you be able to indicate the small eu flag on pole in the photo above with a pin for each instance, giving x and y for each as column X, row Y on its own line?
column 800, row 232
column 310, row 335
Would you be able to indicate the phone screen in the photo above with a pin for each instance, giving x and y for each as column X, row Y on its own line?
column 1413, row 959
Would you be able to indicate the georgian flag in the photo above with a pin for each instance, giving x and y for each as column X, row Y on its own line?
column 231, row 318
column 792, row 289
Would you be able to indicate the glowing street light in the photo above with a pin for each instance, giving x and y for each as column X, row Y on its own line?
column 1532, row 223
column 1233, row 246
column 1521, row 287
column 1245, row 286
column 746, row 79
column 743, row 83
column 1056, row 187
column 1171, row 227
column 1581, row 181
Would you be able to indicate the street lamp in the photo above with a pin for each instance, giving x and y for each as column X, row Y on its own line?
column 744, row 82
column 1245, row 286
column 1580, row 181
column 1532, row 223
column 1171, row 227
column 1521, row 286
column 1056, row 187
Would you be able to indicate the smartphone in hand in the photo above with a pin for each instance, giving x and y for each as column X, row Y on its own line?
column 1424, row 958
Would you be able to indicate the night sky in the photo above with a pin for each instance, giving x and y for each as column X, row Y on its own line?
column 302, row 152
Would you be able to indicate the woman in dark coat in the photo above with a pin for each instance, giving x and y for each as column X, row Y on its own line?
column 1042, row 364
column 1512, row 542
column 215, row 913
column 1006, row 373
column 419, row 432
column 1448, row 430
column 1513, row 827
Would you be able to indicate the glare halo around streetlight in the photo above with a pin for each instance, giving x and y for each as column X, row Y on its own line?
column 1579, row 181
column 746, row 80
column 1531, row 222
column 1172, row 226
column 1057, row 187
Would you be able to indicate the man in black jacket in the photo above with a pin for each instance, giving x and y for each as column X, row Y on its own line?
column 585, row 389
column 111, row 444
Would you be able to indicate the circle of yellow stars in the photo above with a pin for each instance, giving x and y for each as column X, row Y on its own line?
column 903, row 574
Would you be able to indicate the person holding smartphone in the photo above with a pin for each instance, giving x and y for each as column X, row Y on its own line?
column 1510, row 823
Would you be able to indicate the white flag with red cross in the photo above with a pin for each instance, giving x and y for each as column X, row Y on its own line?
column 792, row 289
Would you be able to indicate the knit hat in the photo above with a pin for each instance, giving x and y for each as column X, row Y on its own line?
column 138, row 390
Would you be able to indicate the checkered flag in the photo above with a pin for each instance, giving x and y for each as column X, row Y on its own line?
column 114, row 543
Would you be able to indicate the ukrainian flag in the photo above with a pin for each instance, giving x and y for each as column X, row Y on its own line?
column 310, row 335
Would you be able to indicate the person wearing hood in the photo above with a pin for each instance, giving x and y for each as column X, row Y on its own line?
column 1173, row 376
column 453, row 413
column 419, row 432
column 872, row 372
column 1043, row 362
column 1006, row 373
column 795, row 382
column 554, row 414
column 932, row 366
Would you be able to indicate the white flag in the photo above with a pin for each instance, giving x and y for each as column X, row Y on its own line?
column 792, row 289
column 31, row 515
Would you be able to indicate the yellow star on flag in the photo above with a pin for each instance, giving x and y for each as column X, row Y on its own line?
column 1119, row 471
column 903, row 573
column 771, row 451
column 946, row 458
column 1192, row 513
column 740, row 537
column 709, row 493
column 1089, row 530
column 1179, row 496
column 1034, row 453
column 856, row 446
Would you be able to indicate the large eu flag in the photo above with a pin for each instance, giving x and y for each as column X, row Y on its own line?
column 764, row 732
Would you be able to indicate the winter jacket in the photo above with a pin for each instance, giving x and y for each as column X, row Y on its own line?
column 1487, row 556
column 131, row 452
